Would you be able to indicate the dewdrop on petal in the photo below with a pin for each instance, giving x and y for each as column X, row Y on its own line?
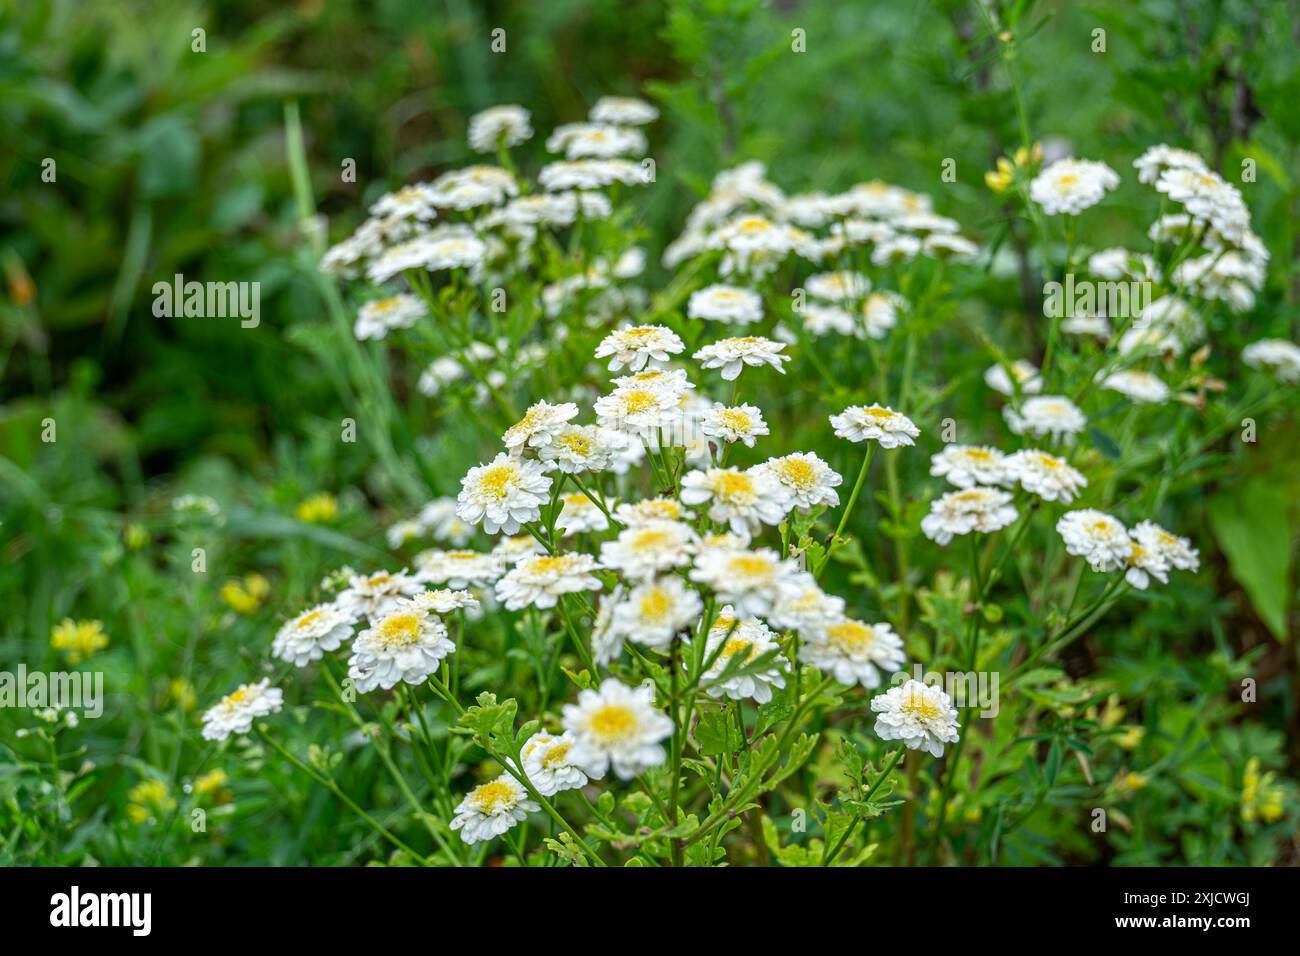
column 616, row 726
column 918, row 714
column 491, row 809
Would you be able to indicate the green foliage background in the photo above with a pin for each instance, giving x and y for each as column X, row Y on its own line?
column 171, row 161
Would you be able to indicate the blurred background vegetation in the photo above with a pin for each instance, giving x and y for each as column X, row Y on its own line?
column 174, row 161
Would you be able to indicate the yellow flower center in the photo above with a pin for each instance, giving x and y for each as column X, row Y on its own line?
column 556, row 756
column 851, row 636
column 308, row 619
column 736, row 420
column 497, row 480
column 655, row 604
column 921, row 707
column 751, row 566
column 639, row 401
column 491, row 797
column 1067, row 180
column 548, row 564
column 731, row 485
column 612, row 722
column 579, row 443
column 400, row 629
column 797, row 472
column 979, row 455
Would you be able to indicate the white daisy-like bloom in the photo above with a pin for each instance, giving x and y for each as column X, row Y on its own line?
column 512, row 549
column 505, row 494
column 854, row 652
column 444, row 248
column 971, row 509
column 623, row 111
column 1052, row 415
column 725, row 303
column 730, row 640
column 744, row 500
column 655, row 611
column 379, row 316
column 1072, row 185
column 458, row 569
column 968, row 465
column 374, row 595
column 1120, row 263
column 548, row 209
column 751, row 581
column 548, row 764
column 591, row 174
column 578, row 448
column 440, row 373
column 875, row 423
column 441, row 522
column 648, row 548
column 1049, row 477
column 596, row 141
column 880, row 313
column 1025, row 374
column 820, row 320
column 920, row 715
column 633, row 409
column 403, row 531
column 616, row 726
column 1207, row 197
column 499, row 126
column 1175, row 551
column 634, row 347
column 413, row 201
column 754, row 244
column 407, row 645
column 895, row 249
column 1145, row 563
column 1150, row 340
column 649, row 510
column 1136, row 384
column 804, row 606
column 237, row 710
column 742, row 423
column 1096, row 536
column 538, row 580
column 579, row 515
column 308, row 636
column 732, row 355
column 1159, row 158
column 606, row 639
column 539, row 426
column 809, row 480
column 841, row 287
column 949, row 246
column 446, row 600
column 1281, row 356
column 1086, row 324
column 474, row 186
column 491, row 809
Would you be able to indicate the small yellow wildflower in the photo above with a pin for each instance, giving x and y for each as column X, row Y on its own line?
column 78, row 640
column 181, row 693
column 148, row 799
column 245, row 596
column 213, row 785
column 320, row 508
column 1261, row 798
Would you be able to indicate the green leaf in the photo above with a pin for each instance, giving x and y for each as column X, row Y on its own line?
column 1253, row 527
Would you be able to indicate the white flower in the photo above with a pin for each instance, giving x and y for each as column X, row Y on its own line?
column 595, row 141
column 752, row 581
column 802, row 605
column 403, row 531
column 1145, row 563
column 732, row 355
column 730, row 640
column 842, row 287
column 1025, row 373
column 961, row 512
column 499, row 126
column 511, row 550
column 745, row 500
column 308, row 636
column 474, row 186
column 967, row 465
column 854, row 652
column 1137, row 385
column 636, row 410
column 380, row 316
column 623, row 111
column 742, row 423
column 1175, row 551
column 377, row 594
column 238, row 709
column 1159, row 158
column 1120, row 263
column 948, row 246
column 548, row 764
column 504, row 494
column 895, row 249
column 919, row 715
column 648, row 510
column 579, row 514
column 445, row 601
column 810, row 481
column 448, row 247
column 538, row 580
column 491, row 809
column 1278, row 354
column 725, row 303
column 458, row 569
column 1096, row 536
column 578, row 448
column 440, row 521
column 1052, row 415
column 539, row 426
column 1047, row 476
column 406, row 645
column 414, row 201
column 591, row 174
column 637, row 345
column 653, row 612
column 874, row 423
column 649, row 547
column 616, row 725
column 1072, row 185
